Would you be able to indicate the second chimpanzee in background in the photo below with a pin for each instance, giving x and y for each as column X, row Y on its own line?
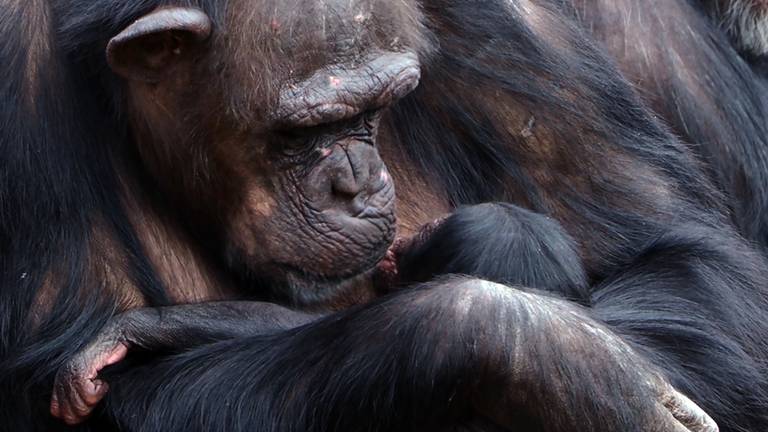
column 690, row 73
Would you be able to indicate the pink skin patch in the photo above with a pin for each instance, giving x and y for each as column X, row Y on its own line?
column 388, row 265
column 386, row 276
column 117, row 355
column 334, row 81
column 75, row 403
column 387, row 271
column 384, row 176
column 113, row 357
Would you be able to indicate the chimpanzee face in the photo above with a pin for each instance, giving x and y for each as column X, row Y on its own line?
column 263, row 126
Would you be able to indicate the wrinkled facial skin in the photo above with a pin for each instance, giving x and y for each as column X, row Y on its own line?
column 334, row 215
column 266, row 138
column 340, row 198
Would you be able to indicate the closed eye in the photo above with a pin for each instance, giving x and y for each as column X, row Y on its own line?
column 358, row 126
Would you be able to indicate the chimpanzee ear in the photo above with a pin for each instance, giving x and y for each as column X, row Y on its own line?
column 150, row 47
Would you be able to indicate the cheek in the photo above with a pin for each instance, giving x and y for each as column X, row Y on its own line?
column 285, row 231
column 248, row 230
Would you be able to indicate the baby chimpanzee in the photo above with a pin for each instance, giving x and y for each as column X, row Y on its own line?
column 499, row 242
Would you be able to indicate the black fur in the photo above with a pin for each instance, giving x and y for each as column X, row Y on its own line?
column 666, row 270
column 693, row 77
column 501, row 243
column 57, row 183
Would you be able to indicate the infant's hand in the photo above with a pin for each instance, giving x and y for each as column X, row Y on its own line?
column 77, row 389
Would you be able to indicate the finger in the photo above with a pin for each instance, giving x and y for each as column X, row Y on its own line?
column 688, row 413
column 66, row 414
column 85, row 385
column 95, row 392
column 117, row 355
column 55, row 408
column 74, row 410
column 666, row 421
column 58, row 398
column 78, row 397
column 114, row 354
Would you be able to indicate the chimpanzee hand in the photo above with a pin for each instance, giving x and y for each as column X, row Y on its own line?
column 687, row 414
column 77, row 389
column 454, row 350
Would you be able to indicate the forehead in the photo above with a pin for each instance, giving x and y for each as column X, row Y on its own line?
column 303, row 35
column 262, row 46
column 294, row 28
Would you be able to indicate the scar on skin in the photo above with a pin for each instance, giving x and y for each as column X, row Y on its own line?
column 360, row 18
column 275, row 25
column 334, row 81
column 384, row 176
column 527, row 131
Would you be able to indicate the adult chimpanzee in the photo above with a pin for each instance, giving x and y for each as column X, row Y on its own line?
column 227, row 152
column 690, row 73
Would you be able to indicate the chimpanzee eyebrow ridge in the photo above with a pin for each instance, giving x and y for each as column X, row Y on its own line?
column 339, row 92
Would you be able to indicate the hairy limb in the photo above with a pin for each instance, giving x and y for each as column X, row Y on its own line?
column 78, row 389
column 435, row 355
column 686, row 68
column 692, row 302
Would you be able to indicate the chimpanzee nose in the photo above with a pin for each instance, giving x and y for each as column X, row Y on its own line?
column 353, row 176
column 349, row 179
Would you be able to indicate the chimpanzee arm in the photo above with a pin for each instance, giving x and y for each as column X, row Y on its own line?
column 430, row 358
column 687, row 301
column 78, row 389
column 194, row 324
column 498, row 242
